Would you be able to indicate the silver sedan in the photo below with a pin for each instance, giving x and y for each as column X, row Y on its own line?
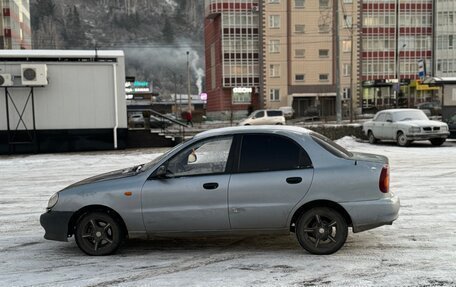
column 405, row 126
column 234, row 181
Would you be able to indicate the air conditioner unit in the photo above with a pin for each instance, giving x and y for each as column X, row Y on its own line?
column 34, row 74
column 6, row 80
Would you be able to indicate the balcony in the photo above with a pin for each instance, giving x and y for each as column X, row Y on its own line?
column 216, row 7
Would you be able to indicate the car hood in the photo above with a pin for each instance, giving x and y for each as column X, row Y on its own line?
column 121, row 173
column 359, row 156
column 422, row 123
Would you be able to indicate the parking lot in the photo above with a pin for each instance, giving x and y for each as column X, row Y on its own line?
column 419, row 249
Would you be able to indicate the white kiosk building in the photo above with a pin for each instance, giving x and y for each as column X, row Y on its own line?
column 62, row 100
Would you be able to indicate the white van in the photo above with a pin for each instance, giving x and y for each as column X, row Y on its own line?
column 264, row 117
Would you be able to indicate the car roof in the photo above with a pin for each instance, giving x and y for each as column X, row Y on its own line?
column 279, row 110
column 398, row 110
column 252, row 129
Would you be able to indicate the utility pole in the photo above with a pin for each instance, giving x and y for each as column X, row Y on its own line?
column 353, row 88
column 188, row 85
column 337, row 55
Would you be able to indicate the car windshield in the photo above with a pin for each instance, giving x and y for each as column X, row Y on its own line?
column 410, row 116
column 331, row 146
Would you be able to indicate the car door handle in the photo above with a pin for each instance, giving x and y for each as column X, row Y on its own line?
column 294, row 180
column 210, row 185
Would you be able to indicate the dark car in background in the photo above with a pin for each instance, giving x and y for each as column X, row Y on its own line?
column 430, row 108
column 452, row 126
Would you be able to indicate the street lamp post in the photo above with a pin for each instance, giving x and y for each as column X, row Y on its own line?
column 175, row 92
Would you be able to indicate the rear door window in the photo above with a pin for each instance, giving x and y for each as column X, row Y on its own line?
column 274, row 113
column 271, row 153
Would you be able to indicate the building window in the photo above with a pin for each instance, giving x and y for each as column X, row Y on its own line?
column 450, row 41
column 299, row 28
column 348, row 20
column 274, row 1
column 300, row 53
column 348, row 1
column 346, row 93
column 274, row 21
column 323, row 77
column 346, row 46
column 324, row 3
column 274, row 46
column 241, row 96
column 299, row 3
column 274, row 70
column 347, row 70
column 323, row 28
column 323, row 53
column 274, row 95
column 300, row 77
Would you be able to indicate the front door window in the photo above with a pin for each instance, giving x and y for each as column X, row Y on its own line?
column 206, row 157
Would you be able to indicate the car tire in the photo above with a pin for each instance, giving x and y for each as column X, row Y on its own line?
column 98, row 234
column 372, row 138
column 402, row 139
column 321, row 230
column 437, row 142
column 279, row 124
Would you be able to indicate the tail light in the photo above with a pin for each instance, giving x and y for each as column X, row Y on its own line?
column 384, row 179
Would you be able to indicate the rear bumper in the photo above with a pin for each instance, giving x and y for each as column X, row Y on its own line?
column 366, row 215
column 55, row 224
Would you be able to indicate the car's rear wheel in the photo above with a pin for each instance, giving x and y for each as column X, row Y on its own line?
column 372, row 139
column 402, row 139
column 437, row 142
column 98, row 233
column 321, row 230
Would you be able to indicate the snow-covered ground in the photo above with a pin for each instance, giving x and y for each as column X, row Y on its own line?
column 419, row 249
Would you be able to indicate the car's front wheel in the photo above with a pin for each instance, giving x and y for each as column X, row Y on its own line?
column 98, row 233
column 437, row 142
column 321, row 230
column 372, row 139
column 402, row 139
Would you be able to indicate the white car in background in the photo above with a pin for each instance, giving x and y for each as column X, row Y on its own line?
column 264, row 117
column 405, row 126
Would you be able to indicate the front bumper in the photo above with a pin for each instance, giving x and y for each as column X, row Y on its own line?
column 55, row 224
column 370, row 214
column 427, row 136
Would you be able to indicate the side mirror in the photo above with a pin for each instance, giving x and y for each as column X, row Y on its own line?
column 161, row 172
column 192, row 158
column 389, row 121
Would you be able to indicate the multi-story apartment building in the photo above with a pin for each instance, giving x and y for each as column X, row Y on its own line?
column 15, row 30
column 300, row 54
column 294, row 64
column 445, row 38
column 232, row 42
column 396, row 44
column 278, row 53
